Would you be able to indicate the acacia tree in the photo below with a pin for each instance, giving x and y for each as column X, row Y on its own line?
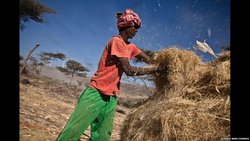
column 48, row 57
column 63, row 70
column 44, row 59
column 53, row 56
column 74, row 67
column 58, row 55
column 32, row 10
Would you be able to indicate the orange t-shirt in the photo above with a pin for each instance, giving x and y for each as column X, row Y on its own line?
column 109, row 73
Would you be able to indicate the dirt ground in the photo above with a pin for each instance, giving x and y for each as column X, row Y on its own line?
column 46, row 104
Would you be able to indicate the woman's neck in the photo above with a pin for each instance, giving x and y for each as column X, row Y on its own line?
column 124, row 37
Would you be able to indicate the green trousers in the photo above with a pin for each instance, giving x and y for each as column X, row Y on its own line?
column 92, row 108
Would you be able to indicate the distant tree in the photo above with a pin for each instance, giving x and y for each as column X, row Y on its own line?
column 67, row 72
column 48, row 57
column 63, row 70
column 23, row 69
column 74, row 66
column 44, row 59
column 58, row 55
column 32, row 10
column 81, row 74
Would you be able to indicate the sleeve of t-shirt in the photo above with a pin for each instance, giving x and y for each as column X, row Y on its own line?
column 135, row 51
column 118, row 49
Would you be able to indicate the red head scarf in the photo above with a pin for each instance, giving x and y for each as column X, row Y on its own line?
column 127, row 19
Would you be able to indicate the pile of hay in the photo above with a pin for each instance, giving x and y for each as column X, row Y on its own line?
column 192, row 101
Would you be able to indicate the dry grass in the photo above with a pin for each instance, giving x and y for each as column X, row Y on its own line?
column 46, row 105
column 184, row 68
column 192, row 101
column 178, row 119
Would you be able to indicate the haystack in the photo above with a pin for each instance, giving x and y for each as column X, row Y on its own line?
column 191, row 102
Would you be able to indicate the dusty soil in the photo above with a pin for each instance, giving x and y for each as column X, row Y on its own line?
column 46, row 103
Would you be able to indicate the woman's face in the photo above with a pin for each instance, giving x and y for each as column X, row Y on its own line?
column 131, row 31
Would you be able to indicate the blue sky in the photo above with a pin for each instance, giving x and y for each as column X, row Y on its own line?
column 81, row 28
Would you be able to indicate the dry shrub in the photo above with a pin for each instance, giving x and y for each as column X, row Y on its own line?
column 192, row 101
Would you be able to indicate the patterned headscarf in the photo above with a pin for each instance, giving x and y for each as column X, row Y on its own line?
column 127, row 19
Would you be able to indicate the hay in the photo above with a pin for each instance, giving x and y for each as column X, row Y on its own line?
column 217, row 79
column 178, row 119
column 182, row 69
column 191, row 101
column 188, row 76
column 223, row 56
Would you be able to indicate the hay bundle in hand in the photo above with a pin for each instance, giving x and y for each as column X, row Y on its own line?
column 187, row 105
column 184, row 69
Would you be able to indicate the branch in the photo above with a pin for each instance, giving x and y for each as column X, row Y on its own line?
column 27, row 58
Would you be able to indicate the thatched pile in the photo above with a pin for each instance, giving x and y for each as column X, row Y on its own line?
column 192, row 101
